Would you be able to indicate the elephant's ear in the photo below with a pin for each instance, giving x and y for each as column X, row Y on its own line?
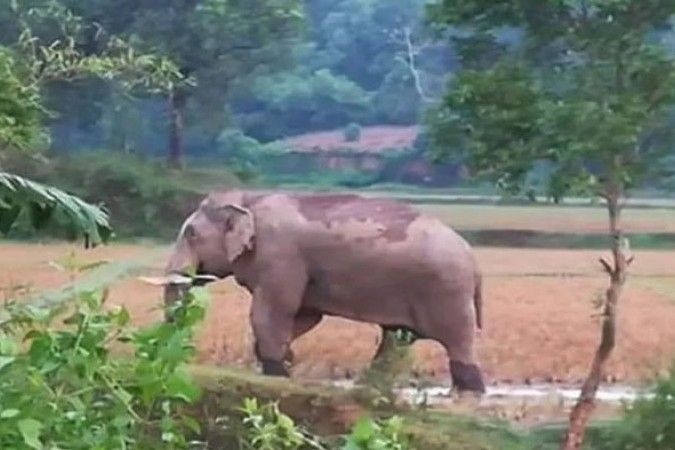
column 239, row 230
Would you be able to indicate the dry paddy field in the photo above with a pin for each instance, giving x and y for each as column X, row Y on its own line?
column 538, row 315
column 553, row 219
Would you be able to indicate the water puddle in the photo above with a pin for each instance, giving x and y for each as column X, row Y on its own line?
column 507, row 394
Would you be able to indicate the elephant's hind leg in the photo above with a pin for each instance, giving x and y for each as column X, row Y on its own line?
column 464, row 369
column 458, row 338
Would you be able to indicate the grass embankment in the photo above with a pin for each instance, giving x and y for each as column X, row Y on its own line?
column 330, row 411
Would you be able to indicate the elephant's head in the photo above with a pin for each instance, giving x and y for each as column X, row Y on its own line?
column 209, row 242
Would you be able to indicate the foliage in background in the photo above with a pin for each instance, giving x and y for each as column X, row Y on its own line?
column 20, row 107
column 352, row 132
column 30, row 65
column 141, row 196
column 219, row 44
column 255, row 70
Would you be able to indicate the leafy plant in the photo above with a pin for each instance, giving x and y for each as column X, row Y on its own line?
column 368, row 434
column 267, row 428
column 46, row 204
column 647, row 423
column 61, row 388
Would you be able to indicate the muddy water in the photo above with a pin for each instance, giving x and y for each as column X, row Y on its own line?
column 536, row 393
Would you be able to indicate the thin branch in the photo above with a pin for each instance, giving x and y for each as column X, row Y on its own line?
column 606, row 265
column 412, row 66
column 411, row 52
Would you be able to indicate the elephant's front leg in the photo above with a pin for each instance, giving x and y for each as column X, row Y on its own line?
column 304, row 322
column 273, row 310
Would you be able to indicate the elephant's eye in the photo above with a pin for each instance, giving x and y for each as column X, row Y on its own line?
column 190, row 232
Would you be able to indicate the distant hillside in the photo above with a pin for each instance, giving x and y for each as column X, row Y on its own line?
column 382, row 154
column 373, row 139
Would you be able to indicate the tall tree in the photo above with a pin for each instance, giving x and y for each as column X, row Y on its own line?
column 586, row 93
column 216, row 42
column 27, row 67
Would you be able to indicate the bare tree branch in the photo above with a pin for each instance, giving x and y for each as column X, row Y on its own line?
column 411, row 53
column 606, row 265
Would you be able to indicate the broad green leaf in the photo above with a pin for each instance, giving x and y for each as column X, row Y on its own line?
column 81, row 216
column 181, row 386
column 9, row 413
column 5, row 361
column 9, row 216
column 30, row 432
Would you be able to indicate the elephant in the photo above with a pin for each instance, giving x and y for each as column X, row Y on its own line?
column 303, row 256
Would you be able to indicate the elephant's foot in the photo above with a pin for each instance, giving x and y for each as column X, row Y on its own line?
column 274, row 369
column 467, row 377
column 288, row 359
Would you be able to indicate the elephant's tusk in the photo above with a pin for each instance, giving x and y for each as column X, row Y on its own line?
column 176, row 279
column 206, row 277
column 164, row 281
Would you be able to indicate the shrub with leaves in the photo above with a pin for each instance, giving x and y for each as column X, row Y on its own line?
column 352, row 132
column 267, row 428
column 377, row 435
column 649, row 423
column 60, row 388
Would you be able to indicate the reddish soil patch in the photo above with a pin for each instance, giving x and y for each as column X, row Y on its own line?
column 373, row 139
column 538, row 323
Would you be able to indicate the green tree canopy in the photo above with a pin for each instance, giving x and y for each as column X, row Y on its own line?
column 217, row 43
column 27, row 67
column 587, row 92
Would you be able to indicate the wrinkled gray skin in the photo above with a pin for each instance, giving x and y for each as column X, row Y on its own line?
column 305, row 256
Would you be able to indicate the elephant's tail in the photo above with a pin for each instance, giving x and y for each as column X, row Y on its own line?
column 478, row 298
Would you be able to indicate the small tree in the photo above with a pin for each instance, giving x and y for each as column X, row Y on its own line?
column 587, row 91
column 352, row 132
column 25, row 69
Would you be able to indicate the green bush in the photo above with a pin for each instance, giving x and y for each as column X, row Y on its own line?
column 144, row 199
column 267, row 428
column 352, row 132
column 648, row 423
column 60, row 388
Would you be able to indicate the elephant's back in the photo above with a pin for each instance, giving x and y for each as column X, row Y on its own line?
column 351, row 213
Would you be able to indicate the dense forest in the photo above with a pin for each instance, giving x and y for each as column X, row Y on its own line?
column 249, row 74
column 298, row 67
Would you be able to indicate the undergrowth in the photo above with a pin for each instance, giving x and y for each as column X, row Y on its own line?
column 143, row 197
column 61, row 388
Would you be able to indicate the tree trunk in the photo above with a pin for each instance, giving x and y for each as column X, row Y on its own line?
column 585, row 405
column 176, row 103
